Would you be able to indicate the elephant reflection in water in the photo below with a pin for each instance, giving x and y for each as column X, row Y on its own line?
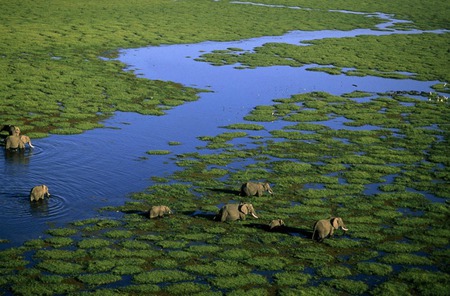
column 326, row 227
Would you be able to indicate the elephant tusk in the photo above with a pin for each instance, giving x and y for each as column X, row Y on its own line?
column 345, row 229
column 254, row 215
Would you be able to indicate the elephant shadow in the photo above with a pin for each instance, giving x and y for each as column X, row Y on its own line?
column 288, row 230
column 227, row 191
column 201, row 214
column 137, row 212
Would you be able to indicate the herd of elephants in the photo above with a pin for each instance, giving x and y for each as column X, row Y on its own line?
column 231, row 212
column 15, row 141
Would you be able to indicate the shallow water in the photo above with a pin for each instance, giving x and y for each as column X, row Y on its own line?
column 101, row 167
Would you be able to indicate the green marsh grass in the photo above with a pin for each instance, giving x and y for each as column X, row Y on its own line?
column 241, row 280
column 98, row 279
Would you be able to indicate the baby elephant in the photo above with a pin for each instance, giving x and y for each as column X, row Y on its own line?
column 276, row 223
column 252, row 189
column 39, row 192
column 26, row 140
column 325, row 228
column 159, row 211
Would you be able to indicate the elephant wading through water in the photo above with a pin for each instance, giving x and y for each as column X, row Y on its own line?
column 39, row 192
column 326, row 227
column 252, row 189
column 159, row 211
column 232, row 212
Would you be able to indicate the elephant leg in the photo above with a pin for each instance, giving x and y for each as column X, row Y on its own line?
column 224, row 216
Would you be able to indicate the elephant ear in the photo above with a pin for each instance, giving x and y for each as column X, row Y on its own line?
column 244, row 208
column 335, row 223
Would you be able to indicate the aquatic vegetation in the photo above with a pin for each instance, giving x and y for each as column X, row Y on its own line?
column 60, row 254
column 60, row 267
column 359, row 52
column 349, row 286
column 334, row 271
column 158, row 152
column 289, row 278
column 232, row 282
column 62, row 231
column 161, row 276
column 186, row 288
column 374, row 268
column 119, row 234
column 98, row 279
column 100, row 265
column 59, row 241
column 245, row 126
column 88, row 243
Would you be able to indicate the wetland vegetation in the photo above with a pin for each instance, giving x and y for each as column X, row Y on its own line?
column 386, row 171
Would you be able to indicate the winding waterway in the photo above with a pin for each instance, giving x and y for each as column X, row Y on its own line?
column 102, row 166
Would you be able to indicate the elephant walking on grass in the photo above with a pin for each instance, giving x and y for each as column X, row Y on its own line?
column 232, row 212
column 326, row 227
column 39, row 192
column 159, row 211
column 276, row 223
column 252, row 189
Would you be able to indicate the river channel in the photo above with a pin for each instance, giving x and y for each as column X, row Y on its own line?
column 102, row 167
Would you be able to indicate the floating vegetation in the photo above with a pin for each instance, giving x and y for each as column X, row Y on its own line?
column 158, row 152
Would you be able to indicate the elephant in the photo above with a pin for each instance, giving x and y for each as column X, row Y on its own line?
column 159, row 211
column 276, row 223
column 325, row 228
column 8, row 128
column 39, row 192
column 251, row 189
column 232, row 212
column 26, row 140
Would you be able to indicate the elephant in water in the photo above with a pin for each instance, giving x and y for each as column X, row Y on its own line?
column 15, row 140
column 276, row 223
column 26, row 140
column 159, row 211
column 252, row 189
column 39, row 192
column 232, row 212
column 8, row 128
column 326, row 227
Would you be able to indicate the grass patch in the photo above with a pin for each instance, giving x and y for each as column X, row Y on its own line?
column 237, row 281
column 161, row 276
column 158, row 152
column 98, row 279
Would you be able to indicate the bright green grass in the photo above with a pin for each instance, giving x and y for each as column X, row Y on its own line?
column 51, row 52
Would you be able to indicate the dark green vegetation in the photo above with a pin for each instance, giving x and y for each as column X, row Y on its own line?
column 422, row 57
column 378, row 180
column 55, row 82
